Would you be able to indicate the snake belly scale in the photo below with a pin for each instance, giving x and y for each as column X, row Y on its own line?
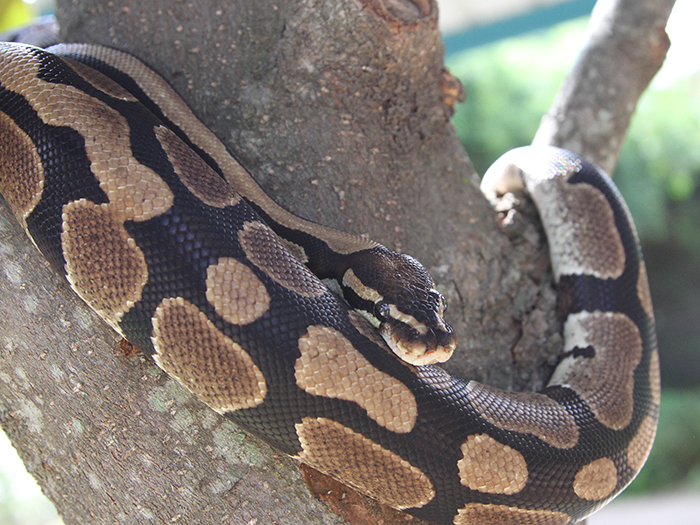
column 167, row 237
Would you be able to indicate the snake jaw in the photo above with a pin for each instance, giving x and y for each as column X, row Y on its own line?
column 419, row 344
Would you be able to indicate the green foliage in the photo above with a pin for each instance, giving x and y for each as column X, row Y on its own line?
column 510, row 86
column 675, row 459
column 14, row 13
column 659, row 167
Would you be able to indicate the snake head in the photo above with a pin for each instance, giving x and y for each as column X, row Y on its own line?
column 399, row 298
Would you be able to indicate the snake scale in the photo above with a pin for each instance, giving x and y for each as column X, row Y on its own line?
column 169, row 239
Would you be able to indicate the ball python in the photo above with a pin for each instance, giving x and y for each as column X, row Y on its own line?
column 171, row 241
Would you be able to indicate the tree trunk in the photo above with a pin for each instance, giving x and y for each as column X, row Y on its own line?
column 341, row 110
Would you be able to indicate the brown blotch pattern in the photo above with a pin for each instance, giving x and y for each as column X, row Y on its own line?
column 640, row 446
column 606, row 381
column 296, row 250
column 580, row 225
column 643, row 290
column 492, row 467
column 235, row 291
column 525, row 412
column 103, row 263
column 597, row 480
column 194, row 173
column 655, row 377
column 21, row 170
column 488, row 514
column 134, row 191
column 211, row 365
column 176, row 110
column 265, row 250
column 99, row 81
column 373, row 470
column 330, row 366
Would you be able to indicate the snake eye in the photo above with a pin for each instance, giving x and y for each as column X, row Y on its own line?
column 382, row 311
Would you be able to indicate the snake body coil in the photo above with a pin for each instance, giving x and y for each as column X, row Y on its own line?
column 123, row 190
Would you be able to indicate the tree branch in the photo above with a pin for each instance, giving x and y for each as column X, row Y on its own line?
column 627, row 44
column 341, row 111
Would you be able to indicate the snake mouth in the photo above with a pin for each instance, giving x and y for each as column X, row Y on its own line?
column 419, row 347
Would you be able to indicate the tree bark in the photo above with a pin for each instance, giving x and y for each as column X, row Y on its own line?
column 627, row 44
column 341, row 110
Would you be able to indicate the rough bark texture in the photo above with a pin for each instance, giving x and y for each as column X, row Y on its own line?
column 341, row 111
column 627, row 44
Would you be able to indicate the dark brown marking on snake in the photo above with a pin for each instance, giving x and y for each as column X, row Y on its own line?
column 580, row 225
column 264, row 249
column 525, row 412
column 21, row 170
column 606, row 381
column 640, row 445
column 103, row 263
column 196, row 174
column 100, row 81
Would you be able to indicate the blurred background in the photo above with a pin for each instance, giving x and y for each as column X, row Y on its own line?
column 511, row 56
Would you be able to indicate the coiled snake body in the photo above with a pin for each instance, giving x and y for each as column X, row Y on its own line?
column 122, row 189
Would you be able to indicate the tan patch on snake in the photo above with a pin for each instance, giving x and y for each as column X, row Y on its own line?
column 194, row 173
column 643, row 290
column 99, row 81
column 488, row 514
column 265, row 250
column 655, row 377
column 365, row 292
column 491, row 467
column 606, row 380
column 640, row 445
column 235, row 291
column 525, row 412
column 330, row 366
column 364, row 465
column 211, row 365
column 597, row 480
column 103, row 263
column 174, row 108
column 21, row 170
column 580, row 225
column 134, row 190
